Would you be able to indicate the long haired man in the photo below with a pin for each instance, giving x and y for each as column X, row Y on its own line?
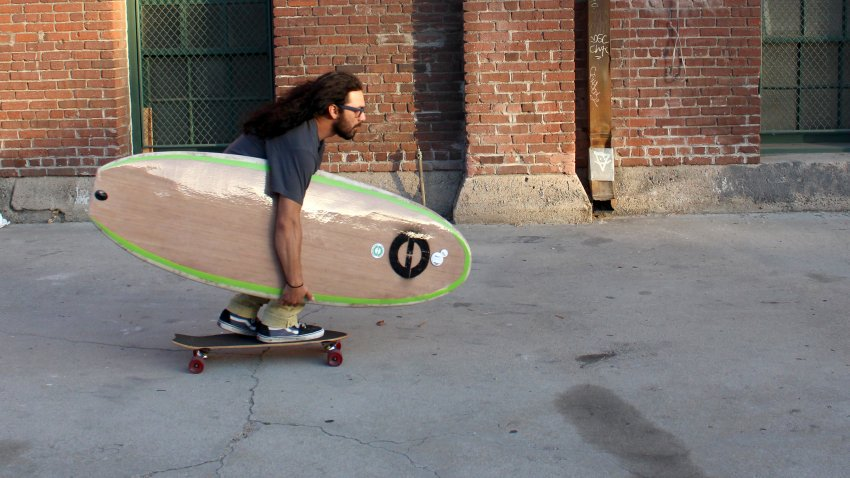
column 290, row 134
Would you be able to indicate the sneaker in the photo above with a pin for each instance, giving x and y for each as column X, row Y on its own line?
column 237, row 324
column 291, row 334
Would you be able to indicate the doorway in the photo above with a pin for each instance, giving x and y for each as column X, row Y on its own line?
column 197, row 67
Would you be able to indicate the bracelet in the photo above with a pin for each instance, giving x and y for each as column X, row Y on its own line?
column 293, row 286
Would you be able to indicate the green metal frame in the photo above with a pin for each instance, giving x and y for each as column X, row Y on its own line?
column 841, row 134
column 805, row 142
column 137, row 83
column 133, row 42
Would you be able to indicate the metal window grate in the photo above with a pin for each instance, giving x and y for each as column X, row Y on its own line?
column 204, row 65
column 805, row 84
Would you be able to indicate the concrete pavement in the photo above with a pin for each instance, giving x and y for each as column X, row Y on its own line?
column 701, row 346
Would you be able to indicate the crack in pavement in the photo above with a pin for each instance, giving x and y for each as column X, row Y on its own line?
column 248, row 429
column 370, row 444
column 252, row 425
column 182, row 468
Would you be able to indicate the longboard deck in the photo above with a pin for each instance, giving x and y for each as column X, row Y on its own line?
column 207, row 217
column 202, row 345
column 237, row 341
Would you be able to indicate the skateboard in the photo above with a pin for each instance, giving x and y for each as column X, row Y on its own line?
column 202, row 345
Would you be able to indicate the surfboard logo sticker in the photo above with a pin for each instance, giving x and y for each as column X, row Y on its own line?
column 378, row 250
column 409, row 242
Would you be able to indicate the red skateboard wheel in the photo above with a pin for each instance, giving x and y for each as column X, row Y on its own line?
column 196, row 365
column 334, row 358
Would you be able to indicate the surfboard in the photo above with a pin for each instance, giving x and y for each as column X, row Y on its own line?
column 207, row 217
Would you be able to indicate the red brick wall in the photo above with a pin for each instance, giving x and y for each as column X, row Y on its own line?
column 520, row 93
column 685, row 81
column 64, row 104
column 408, row 52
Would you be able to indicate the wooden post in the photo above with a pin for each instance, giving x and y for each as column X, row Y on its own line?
column 599, row 71
column 147, row 130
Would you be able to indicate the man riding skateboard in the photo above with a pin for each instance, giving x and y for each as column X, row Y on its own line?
column 290, row 135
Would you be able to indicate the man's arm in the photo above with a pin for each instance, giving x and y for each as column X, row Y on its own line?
column 287, row 241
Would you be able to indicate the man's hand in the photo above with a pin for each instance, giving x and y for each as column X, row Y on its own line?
column 295, row 296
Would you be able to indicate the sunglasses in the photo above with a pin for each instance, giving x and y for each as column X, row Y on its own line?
column 359, row 111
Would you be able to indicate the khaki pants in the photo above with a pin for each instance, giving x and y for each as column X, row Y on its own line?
column 275, row 316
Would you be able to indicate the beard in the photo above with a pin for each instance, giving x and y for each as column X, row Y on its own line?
column 340, row 131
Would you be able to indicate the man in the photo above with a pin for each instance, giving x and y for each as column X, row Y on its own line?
column 290, row 135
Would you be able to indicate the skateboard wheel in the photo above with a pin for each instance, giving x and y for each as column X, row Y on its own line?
column 334, row 358
column 196, row 365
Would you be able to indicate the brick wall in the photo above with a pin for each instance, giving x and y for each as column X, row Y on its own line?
column 64, row 104
column 520, row 93
column 409, row 53
column 477, row 85
column 685, row 80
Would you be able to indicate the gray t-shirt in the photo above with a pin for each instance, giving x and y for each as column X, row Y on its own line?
column 293, row 157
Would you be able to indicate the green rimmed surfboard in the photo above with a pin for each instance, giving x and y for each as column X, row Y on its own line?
column 207, row 217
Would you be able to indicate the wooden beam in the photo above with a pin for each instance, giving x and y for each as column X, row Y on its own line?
column 599, row 77
column 147, row 130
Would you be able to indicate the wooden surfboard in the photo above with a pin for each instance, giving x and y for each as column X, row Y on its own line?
column 207, row 217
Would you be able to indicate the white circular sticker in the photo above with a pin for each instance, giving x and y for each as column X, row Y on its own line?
column 378, row 251
column 438, row 258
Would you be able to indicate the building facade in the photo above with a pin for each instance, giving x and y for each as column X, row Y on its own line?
column 490, row 107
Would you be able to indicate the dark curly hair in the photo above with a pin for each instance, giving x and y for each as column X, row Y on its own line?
column 303, row 102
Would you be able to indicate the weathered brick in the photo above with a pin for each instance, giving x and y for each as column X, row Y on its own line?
column 716, row 58
column 39, row 92
column 508, row 79
column 511, row 63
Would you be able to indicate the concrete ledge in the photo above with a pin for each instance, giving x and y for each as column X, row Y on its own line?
column 60, row 199
column 778, row 184
column 441, row 187
column 520, row 199
column 45, row 199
